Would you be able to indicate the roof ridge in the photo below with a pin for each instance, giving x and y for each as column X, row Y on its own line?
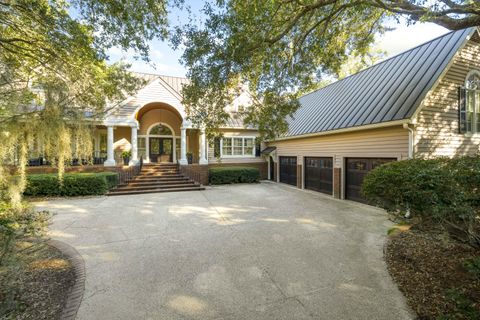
column 390, row 58
column 157, row 74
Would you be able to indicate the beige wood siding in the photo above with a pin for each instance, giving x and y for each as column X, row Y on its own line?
column 234, row 133
column 436, row 129
column 391, row 142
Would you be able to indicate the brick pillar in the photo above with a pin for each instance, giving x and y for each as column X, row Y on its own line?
column 299, row 176
column 337, row 183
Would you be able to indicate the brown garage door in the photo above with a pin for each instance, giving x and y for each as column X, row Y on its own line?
column 357, row 169
column 288, row 170
column 319, row 174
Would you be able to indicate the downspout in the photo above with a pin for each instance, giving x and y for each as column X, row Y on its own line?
column 410, row 140
column 410, row 156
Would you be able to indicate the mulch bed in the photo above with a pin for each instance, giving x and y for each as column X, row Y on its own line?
column 42, row 283
column 427, row 266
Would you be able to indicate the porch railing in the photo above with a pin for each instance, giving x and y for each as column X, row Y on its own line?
column 127, row 174
column 196, row 173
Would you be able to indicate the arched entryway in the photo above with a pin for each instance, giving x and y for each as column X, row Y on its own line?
column 159, row 132
column 161, row 143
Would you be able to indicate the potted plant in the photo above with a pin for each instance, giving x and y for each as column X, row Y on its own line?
column 190, row 158
column 126, row 157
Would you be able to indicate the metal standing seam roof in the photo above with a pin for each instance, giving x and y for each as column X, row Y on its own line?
column 390, row 90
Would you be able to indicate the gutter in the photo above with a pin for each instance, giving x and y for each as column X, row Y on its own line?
column 410, row 140
column 350, row 129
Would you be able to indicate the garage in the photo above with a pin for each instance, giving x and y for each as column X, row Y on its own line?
column 357, row 169
column 319, row 174
column 288, row 170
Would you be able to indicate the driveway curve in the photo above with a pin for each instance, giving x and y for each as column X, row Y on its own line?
column 262, row 251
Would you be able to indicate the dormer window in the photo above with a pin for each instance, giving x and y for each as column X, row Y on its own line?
column 469, row 104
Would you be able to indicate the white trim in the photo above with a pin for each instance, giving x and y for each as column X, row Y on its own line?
column 344, row 130
column 442, row 75
column 163, row 124
column 411, row 140
column 243, row 155
column 469, row 74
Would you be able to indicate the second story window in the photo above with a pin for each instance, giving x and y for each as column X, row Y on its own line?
column 469, row 104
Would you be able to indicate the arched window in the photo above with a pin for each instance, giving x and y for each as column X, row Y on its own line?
column 161, row 130
column 469, row 111
column 473, row 80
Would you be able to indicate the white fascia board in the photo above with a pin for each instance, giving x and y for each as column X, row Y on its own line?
column 344, row 130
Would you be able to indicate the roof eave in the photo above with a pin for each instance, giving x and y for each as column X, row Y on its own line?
column 345, row 130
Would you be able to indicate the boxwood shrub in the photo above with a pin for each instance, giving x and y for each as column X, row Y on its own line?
column 225, row 175
column 442, row 192
column 74, row 184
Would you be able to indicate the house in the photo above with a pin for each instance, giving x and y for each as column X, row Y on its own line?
column 424, row 102
column 152, row 124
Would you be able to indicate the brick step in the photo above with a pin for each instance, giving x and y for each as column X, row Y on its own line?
column 148, row 171
column 158, row 179
column 156, row 183
column 159, row 176
column 168, row 174
column 168, row 186
column 157, row 165
column 154, row 190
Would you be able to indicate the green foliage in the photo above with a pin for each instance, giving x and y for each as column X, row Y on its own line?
column 55, row 78
column 278, row 49
column 464, row 307
column 443, row 192
column 225, row 175
column 126, row 154
column 473, row 267
column 73, row 184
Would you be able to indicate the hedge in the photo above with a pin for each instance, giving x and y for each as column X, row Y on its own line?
column 225, row 175
column 74, row 184
column 442, row 192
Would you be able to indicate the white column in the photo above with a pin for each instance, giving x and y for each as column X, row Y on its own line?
column 174, row 152
column 147, row 148
column 134, row 143
column 183, row 146
column 203, row 159
column 110, row 162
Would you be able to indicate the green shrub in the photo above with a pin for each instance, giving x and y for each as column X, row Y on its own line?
column 225, row 175
column 73, row 184
column 445, row 192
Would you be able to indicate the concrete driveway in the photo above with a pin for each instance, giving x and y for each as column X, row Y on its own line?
column 263, row 251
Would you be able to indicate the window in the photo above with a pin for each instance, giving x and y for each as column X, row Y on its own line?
column 227, row 147
column 469, row 109
column 161, row 131
column 238, row 147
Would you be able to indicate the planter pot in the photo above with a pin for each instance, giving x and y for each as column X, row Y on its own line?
column 190, row 158
column 126, row 160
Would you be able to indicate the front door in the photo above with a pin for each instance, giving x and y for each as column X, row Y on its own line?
column 161, row 149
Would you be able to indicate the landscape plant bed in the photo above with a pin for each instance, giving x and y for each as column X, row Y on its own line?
column 40, row 286
column 435, row 274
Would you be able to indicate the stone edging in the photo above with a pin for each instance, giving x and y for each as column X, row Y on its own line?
column 74, row 297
